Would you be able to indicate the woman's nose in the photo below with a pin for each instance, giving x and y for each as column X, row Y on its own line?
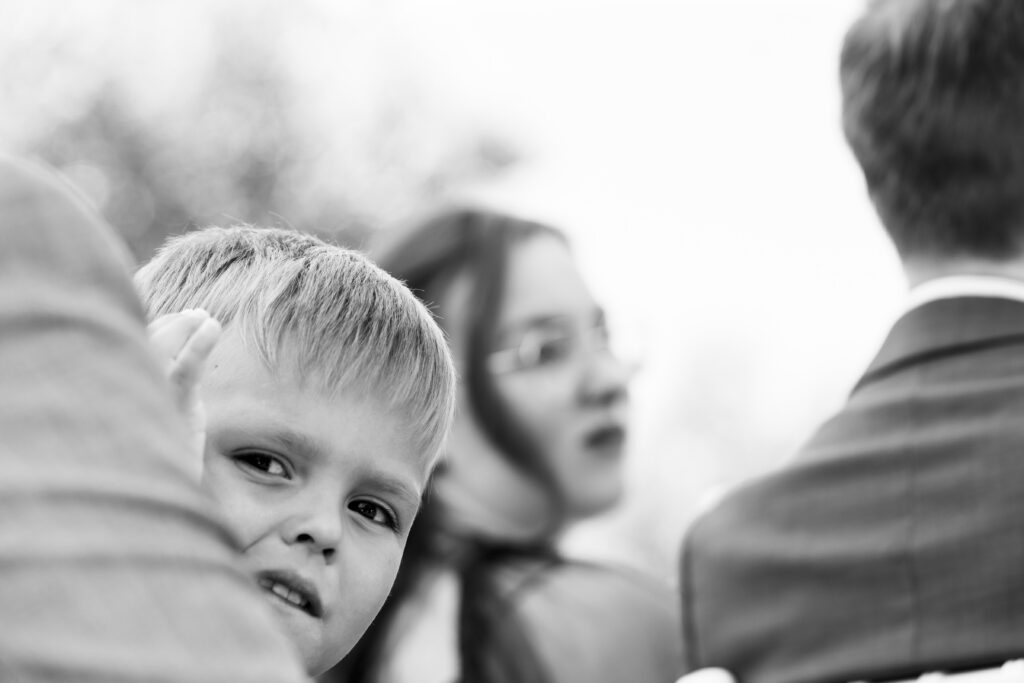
column 605, row 380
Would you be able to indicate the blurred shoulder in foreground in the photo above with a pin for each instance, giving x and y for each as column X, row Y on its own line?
column 114, row 567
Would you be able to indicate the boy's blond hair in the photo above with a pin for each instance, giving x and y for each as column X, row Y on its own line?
column 337, row 320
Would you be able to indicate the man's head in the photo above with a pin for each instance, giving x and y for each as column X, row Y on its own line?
column 327, row 400
column 933, row 107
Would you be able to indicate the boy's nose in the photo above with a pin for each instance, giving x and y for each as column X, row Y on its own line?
column 318, row 529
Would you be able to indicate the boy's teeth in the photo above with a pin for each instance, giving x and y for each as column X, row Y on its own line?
column 287, row 594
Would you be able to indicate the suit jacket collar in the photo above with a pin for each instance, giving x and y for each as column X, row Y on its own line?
column 948, row 326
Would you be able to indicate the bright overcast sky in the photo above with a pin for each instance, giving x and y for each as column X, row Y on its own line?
column 693, row 151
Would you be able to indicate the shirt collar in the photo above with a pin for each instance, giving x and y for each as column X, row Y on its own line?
column 957, row 286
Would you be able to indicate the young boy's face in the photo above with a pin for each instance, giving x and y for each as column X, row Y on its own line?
column 321, row 491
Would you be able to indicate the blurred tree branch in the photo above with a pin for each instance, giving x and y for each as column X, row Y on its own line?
column 231, row 128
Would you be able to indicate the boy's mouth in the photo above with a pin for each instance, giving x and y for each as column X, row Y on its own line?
column 293, row 590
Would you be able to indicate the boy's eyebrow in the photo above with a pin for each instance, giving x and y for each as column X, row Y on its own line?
column 298, row 442
column 310, row 448
column 388, row 484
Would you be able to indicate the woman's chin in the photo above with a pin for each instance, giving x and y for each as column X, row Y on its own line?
column 596, row 502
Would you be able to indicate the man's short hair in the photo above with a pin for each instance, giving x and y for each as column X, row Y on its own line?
column 933, row 108
column 325, row 313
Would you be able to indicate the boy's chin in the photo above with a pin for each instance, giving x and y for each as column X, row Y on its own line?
column 309, row 634
column 320, row 661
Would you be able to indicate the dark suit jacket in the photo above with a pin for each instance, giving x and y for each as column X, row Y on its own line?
column 894, row 544
column 113, row 567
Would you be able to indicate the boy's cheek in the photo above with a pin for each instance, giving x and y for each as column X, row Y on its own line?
column 375, row 574
column 361, row 601
column 231, row 498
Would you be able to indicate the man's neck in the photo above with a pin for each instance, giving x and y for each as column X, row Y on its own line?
column 920, row 270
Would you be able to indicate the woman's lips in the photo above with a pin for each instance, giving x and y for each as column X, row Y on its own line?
column 292, row 589
column 606, row 438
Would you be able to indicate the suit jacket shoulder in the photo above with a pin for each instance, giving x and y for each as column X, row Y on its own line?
column 892, row 545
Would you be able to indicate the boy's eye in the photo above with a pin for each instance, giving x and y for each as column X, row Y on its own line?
column 376, row 513
column 267, row 464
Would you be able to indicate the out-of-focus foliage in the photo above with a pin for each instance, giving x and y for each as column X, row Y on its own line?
column 175, row 114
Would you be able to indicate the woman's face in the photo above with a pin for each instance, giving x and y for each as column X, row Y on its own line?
column 552, row 366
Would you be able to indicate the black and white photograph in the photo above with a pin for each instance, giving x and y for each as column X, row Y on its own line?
column 511, row 341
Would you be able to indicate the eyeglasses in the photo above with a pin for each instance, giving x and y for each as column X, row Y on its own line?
column 548, row 346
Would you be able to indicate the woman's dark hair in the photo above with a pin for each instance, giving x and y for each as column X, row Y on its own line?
column 493, row 648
